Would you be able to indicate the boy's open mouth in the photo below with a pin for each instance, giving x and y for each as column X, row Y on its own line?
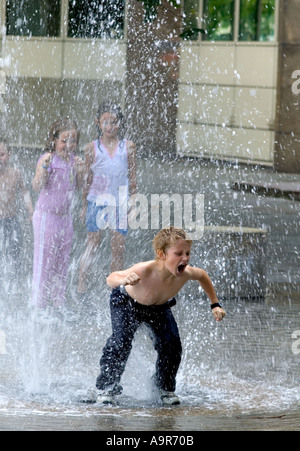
column 181, row 268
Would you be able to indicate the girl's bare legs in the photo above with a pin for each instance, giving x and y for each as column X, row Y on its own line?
column 117, row 251
column 93, row 243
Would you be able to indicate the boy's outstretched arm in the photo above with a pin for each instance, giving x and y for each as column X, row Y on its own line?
column 205, row 282
column 127, row 277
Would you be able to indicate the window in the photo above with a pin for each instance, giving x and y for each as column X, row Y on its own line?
column 96, row 19
column 33, row 17
column 227, row 20
column 257, row 20
column 218, row 18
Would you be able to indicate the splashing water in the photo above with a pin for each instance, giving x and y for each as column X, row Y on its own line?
column 244, row 364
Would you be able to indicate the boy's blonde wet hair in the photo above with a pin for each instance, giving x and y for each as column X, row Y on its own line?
column 167, row 237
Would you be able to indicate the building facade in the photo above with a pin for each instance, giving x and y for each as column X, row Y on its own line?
column 228, row 83
column 62, row 57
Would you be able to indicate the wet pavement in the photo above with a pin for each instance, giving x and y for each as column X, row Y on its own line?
column 176, row 419
column 242, row 374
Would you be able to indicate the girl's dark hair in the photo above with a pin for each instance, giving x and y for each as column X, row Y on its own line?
column 58, row 127
column 111, row 107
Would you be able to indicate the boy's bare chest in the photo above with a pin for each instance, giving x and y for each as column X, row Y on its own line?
column 156, row 291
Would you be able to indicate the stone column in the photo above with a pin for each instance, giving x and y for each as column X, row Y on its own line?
column 151, row 86
column 287, row 128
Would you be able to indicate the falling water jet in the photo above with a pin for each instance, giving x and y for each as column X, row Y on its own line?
column 151, row 84
column 2, row 343
column 237, row 256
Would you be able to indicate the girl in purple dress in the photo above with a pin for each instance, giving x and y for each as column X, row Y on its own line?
column 58, row 174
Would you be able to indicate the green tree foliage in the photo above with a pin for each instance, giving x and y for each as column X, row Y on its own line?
column 257, row 20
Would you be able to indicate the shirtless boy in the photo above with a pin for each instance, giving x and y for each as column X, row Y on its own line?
column 145, row 293
column 11, row 186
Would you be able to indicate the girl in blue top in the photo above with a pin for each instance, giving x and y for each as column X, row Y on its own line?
column 110, row 177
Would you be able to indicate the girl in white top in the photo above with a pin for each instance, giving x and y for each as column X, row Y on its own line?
column 110, row 177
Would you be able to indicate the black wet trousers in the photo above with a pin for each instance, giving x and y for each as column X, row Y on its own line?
column 126, row 317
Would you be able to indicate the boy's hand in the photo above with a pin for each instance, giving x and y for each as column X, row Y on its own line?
column 131, row 279
column 218, row 313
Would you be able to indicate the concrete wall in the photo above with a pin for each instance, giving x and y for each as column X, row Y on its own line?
column 228, row 101
column 49, row 78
